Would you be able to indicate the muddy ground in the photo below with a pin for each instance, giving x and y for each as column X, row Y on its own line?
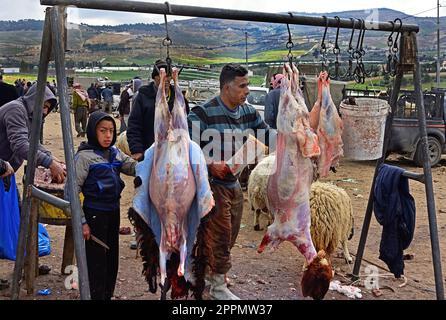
column 270, row 275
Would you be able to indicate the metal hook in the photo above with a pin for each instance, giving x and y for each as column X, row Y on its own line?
column 390, row 39
column 350, row 47
column 336, row 49
column 350, row 50
column 289, row 45
column 167, row 42
column 395, row 43
column 323, row 46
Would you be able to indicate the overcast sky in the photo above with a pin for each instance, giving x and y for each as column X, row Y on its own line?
column 31, row 9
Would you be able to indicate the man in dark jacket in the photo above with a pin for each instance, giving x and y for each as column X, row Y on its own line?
column 140, row 131
column 7, row 92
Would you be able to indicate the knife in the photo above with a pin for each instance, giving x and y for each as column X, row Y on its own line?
column 92, row 237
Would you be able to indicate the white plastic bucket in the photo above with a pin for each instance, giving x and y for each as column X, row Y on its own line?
column 364, row 125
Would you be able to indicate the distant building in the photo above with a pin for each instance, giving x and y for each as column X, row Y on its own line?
column 11, row 70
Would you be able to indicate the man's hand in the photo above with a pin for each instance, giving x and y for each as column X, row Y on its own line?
column 9, row 171
column 219, row 169
column 86, row 231
column 58, row 173
column 137, row 156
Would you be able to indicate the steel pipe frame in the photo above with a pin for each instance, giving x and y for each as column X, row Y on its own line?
column 204, row 12
column 428, row 185
column 47, row 197
column 52, row 28
column 425, row 178
column 45, row 53
column 67, row 133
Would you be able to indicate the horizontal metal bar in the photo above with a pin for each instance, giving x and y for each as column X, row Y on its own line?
column 414, row 176
column 228, row 14
column 53, row 200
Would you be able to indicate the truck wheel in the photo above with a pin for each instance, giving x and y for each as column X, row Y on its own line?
column 433, row 150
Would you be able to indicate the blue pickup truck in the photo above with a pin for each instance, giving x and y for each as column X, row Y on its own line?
column 405, row 131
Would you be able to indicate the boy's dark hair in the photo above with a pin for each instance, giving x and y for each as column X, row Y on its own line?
column 230, row 71
column 157, row 67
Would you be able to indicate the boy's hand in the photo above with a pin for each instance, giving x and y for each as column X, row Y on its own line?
column 86, row 231
column 137, row 156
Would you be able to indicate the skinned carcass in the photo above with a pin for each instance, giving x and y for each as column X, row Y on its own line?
column 289, row 186
column 173, row 196
column 329, row 130
column 172, row 186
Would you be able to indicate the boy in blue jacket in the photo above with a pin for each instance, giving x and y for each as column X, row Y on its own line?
column 98, row 165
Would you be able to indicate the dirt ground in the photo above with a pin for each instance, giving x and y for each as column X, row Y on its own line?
column 270, row 275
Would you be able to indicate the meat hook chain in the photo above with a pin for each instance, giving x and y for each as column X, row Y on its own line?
column 392, row 57
column 289, row 45
column 336, row 51
column 324, row 47
column 359, row 73
column 167, row 41
column 348, row 74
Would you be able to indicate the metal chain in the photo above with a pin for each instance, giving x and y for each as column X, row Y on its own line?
column 167, row 42
column 289, row 45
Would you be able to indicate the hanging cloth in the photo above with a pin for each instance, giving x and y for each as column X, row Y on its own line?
column 394, row 209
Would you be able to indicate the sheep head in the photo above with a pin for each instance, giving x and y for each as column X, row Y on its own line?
column 316, row 278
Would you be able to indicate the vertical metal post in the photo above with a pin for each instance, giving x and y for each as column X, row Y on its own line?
column 79, row 245
column 438, row 44
column 387, row 136
column 32, row 254
column 45, row 53
column 428, row 179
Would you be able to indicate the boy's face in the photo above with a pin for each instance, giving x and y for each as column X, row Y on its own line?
column 104, row 132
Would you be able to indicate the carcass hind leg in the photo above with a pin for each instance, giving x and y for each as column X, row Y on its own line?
column 163, row 261
column 183, row 253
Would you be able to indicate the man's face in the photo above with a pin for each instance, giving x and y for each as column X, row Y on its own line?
column 46, row 108
column 167, row 81
column 104, row 133
column 237, row 90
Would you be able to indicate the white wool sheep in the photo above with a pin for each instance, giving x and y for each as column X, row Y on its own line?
column 257, row 183
column 331, row 209
column 122, row 144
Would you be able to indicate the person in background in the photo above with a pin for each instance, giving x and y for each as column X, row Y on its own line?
column 140, row 131
column 107, row 94
column 7, row 92
column 272, row 100
column 94, row 96
column 80, row 105
column 98, row 165
column 124, row 107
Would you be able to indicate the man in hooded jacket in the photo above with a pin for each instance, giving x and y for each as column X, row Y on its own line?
column 15, row 126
